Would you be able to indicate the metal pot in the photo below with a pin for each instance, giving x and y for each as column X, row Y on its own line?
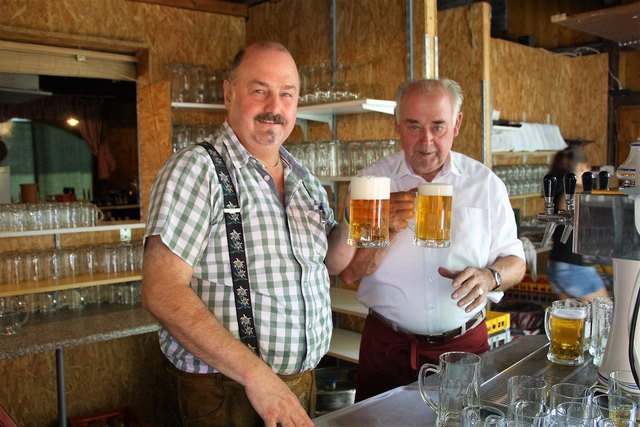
column 336, row 388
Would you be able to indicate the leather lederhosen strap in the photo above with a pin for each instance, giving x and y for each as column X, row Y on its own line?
column 237, row 255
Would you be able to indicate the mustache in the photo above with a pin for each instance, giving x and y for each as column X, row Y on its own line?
column 269, row 117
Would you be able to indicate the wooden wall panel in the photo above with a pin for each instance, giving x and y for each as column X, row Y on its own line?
column 461, row 32
column 629, row 71
column 533, row 17
column 28, row 391
column 532, row 84
column 370, row 36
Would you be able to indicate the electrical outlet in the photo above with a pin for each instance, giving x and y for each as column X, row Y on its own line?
column 125, row 234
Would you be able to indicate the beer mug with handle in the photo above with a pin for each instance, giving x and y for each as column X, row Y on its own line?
column 369, row 212
column 565, row 324
column 459, row 374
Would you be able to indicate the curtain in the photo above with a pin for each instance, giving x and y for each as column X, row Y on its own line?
column 87, row 110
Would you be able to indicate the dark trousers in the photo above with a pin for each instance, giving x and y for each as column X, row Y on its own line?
column 211, row 400
column 390, row 359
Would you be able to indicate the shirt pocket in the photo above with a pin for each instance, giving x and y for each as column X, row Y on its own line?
column 309, row 234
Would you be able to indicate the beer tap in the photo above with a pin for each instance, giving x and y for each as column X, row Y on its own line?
column 603, row 180
column 562, row 217
column 588, row 182
column 569, row 192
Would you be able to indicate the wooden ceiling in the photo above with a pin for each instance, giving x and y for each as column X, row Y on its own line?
column 620, row 24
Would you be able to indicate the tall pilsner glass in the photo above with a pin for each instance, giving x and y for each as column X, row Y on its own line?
column 433, row 217
column 369, row 212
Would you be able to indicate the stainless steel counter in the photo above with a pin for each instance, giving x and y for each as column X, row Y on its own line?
column 403, row 406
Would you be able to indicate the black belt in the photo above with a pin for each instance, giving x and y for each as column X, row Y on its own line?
column 440, row 338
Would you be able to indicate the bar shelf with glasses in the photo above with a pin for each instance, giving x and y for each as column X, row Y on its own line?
column 51, row 285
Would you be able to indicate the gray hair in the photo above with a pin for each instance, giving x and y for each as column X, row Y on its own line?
column 426, row 86
column 261, row 45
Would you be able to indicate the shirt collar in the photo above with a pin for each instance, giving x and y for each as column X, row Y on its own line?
column 450, row 167
column 239, row 155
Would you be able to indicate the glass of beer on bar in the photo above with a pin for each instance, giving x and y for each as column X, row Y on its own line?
column 565, row 322
column 369, row 212
column 433, row 216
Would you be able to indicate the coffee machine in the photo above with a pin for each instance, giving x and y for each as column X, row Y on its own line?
column 606, row 223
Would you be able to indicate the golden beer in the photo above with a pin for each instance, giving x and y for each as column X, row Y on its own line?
column 369, row 212
column 433, row 217
column 566, row 331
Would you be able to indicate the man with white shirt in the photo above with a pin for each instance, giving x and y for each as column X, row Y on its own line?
column 427, row 301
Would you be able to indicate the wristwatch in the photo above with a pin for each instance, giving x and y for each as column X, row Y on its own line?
column 497, row 277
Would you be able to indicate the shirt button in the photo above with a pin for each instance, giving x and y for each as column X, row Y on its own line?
column 267, row 178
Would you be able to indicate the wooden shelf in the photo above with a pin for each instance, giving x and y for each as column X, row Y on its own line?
column 345, row 301
column 103, row 226
column 317, row 112
column 526, row 196
column 526, row 154
column 345, row 345
column 25, row 288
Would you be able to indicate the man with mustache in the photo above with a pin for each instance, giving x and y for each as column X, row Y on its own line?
column 243, row 335
column 427, row 301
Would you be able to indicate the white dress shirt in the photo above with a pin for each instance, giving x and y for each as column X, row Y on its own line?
column 407, row 288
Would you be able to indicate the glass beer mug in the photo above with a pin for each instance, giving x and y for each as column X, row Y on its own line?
column 369, row 212
column 433, row 216
column 565, row 324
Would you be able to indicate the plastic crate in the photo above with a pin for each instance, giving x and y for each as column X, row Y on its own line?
column 541, row 286
column 115, row 417
column 497, row 321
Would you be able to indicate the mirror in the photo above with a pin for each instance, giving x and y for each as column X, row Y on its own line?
column 43, row 148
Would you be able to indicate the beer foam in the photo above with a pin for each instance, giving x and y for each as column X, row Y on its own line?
column 435, row 189
column 569, row 313
column 370, row 188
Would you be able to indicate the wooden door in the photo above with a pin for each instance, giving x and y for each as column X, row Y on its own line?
column 628, row 125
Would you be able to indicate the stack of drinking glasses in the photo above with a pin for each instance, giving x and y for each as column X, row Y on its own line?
column 48, row 216
column 316, row 83
column 340, row 158
column 195, row 83
column 522, row 179
column 18, row 267
column 531, row 402
column 185, row 135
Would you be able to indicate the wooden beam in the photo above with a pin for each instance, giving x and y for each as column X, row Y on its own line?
column 26, row 35
column 209, row 6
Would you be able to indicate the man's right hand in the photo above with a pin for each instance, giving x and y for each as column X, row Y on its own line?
column 276, row 404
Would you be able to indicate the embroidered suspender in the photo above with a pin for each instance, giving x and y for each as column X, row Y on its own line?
column 237, row 255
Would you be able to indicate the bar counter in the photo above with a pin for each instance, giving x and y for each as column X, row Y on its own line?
column 65, row 328
column 403, row 406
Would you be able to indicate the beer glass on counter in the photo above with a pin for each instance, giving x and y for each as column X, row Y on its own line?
column 565, row 326
column 433, row 217
column 369, row 212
